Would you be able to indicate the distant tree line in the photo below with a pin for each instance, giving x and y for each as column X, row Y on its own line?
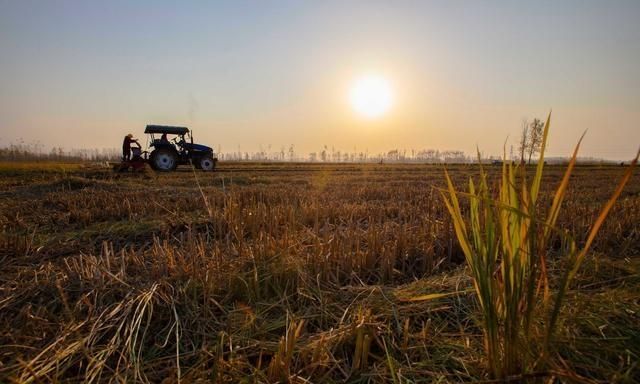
column 332, row 155
column 36, row 152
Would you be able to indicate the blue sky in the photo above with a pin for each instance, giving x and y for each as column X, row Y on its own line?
column 260, row 73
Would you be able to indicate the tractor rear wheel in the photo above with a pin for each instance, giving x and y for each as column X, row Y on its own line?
column 207, row 163
column 164, row 160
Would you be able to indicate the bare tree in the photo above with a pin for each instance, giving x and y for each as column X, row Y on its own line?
column 524, row 139
column 292, row 152
column 535, row 137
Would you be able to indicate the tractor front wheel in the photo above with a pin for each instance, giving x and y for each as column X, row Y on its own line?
column 207, row 163
column 164, row 160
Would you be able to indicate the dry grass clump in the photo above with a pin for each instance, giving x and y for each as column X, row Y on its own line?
column 301, row 273
column 506, row 244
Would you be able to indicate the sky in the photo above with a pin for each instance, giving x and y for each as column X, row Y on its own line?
column 266, row 74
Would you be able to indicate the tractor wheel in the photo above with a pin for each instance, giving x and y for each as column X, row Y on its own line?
column 207, row 163
column 164, row 160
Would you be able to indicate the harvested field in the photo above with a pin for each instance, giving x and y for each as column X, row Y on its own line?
column 284, row 273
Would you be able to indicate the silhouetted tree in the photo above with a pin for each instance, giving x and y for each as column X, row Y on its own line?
column 535, row 137
column 524, row 140
column 292, row 152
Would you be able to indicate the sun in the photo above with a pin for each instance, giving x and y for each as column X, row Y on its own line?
column 371, row 96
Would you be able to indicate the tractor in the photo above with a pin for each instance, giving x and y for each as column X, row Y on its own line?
column 167, row 153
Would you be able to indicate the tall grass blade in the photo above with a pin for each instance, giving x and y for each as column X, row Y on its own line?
column 535, row 187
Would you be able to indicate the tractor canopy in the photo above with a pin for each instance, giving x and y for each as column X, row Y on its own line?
column 170, row 130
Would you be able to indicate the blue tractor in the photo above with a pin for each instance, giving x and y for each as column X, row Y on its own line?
column 174, row 147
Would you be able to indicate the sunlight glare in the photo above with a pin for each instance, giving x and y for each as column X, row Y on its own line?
column 371, row 96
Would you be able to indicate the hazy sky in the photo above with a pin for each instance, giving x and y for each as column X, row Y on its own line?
column 260, row 73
